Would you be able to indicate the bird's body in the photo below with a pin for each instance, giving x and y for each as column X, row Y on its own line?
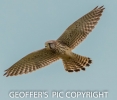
column 61, row 48
column 65, row 53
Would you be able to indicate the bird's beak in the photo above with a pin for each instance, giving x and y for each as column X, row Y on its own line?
column 45, row 45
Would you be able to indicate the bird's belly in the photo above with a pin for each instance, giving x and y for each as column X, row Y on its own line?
column 65, row 54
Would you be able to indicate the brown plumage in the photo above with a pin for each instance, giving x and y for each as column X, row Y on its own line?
column 61, row 48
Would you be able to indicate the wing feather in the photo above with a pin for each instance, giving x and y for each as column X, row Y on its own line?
column 31, row 62
column 79, row 30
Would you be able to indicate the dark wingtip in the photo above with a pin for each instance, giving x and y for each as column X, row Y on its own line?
column 5, row 74
column 90, row 61
column 102, row 7
column 70, row 70
column 77, row 70
column 95, row 7
column 83, row 69
column 87, row 65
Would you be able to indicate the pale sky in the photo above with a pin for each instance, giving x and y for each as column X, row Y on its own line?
column 25, row 26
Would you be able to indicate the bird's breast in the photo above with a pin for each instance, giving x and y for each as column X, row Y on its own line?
column 62, row 50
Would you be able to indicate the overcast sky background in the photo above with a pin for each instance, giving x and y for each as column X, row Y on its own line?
column 25, row 25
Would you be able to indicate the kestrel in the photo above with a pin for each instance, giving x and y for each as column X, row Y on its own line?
column 61, row 48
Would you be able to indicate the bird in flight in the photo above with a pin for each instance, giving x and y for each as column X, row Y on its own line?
column 61, row 48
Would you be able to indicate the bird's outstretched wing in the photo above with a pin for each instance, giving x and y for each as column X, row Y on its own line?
column 31, row 62
column 79, row 30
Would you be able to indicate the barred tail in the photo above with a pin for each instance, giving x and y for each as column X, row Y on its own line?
column 76, row 62
column 82, row 60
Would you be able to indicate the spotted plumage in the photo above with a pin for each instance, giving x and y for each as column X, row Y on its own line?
column 61, row 48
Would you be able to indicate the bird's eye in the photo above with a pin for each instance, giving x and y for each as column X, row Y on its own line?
column 50, row 45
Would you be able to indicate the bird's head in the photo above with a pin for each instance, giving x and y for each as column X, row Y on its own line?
column 50, row 44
